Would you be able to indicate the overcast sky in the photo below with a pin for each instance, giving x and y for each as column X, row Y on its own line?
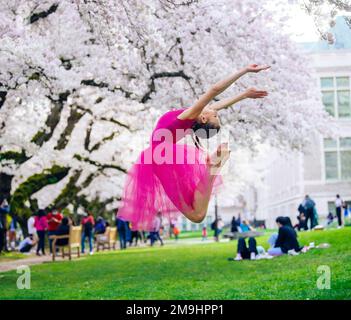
column 302, row 26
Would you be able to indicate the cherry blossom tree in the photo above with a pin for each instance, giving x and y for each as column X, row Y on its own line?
column 82, row 83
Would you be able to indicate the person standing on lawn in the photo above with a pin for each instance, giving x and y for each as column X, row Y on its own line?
column 12, row 233
column 41, row 225
column 54, row 220
column 4, row 210
column 234, row 225
column 31, row 226
column 176, row 232
column 204, row 233
column 2, row 232
column 135, row 235
column 309, row 205
column 338, row 210
column 217, row 227
column 122, row 227
column 155, row 234
column 88, row 223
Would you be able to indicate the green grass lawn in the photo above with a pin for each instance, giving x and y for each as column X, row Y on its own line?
column 199, row 271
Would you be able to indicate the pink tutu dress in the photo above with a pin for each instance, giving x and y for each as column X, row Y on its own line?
column 165, row 176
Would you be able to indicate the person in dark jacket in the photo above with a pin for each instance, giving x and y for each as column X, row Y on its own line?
column 286, row 239
column 301, row 225
column 234, row 225
column 88, row 223
column 122, row 227
column 100, row 226
column 62, row 230
column 309, row 205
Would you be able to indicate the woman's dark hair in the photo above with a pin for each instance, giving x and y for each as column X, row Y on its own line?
column 41, row 213
column 288, row 222
column 203, row 131
column 284, row 221
column 281, row 220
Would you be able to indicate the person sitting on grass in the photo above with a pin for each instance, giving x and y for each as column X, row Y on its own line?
column 243, row 251
column 27, row 244
column 286, row 239
column 302, row 224
column 330, row 219
column 245, row 226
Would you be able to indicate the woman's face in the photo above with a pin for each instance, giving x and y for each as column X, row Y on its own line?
column 209, row 115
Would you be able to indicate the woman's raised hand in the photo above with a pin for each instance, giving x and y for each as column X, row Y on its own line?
column 252, row 93
column 256, row 68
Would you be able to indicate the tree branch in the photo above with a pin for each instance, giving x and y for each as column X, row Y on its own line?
column 43, row 14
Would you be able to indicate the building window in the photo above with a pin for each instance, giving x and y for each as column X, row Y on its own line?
column 337, row 156
column 336, row 96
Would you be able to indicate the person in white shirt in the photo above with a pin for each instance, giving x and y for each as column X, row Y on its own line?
column 338, row 208
column 31, row 228
column 155, row 235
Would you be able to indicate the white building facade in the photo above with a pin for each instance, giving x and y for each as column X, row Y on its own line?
column 325, row 170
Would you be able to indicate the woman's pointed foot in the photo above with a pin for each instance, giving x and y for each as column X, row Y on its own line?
column 219, row 158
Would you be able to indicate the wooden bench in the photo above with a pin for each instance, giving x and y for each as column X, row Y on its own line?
column 74, row 241
column 109, row 238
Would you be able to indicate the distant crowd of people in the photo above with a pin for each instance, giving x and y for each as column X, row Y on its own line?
column 308, row 213
column 44, row 224
column 129, row 236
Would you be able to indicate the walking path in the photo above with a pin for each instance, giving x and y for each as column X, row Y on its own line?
column 15, row 263
column 32, row 259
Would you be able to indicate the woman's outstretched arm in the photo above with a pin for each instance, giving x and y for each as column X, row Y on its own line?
column 249, row 93
column 195, row 110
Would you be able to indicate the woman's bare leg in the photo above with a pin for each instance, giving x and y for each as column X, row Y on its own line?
column 202, row 197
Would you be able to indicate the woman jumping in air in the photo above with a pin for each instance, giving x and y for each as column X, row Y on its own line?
column 161, row 181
